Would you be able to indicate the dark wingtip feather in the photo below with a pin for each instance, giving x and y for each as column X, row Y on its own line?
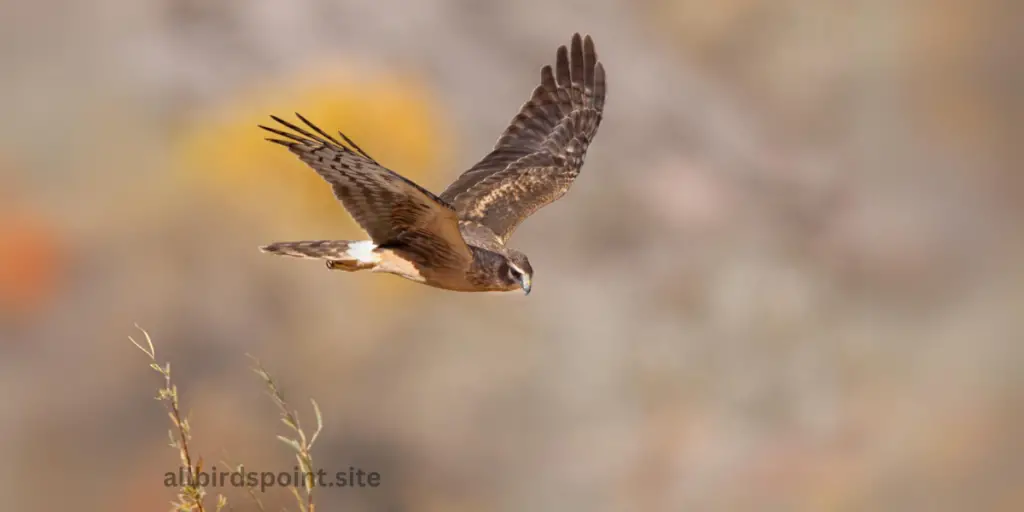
column 562, row 66
column 279, row 141
column 303, row 131
column 317, row 129
column 547, row 77
column 267, row 128
column 278, row 119
column 589, row 62
column 576, row 61
column 356, row 147
column 311, row 139
column 287, row 135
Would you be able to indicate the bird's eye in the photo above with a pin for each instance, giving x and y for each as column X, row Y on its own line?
column 513, row 273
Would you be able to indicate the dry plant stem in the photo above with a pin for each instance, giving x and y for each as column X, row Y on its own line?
column 191, row 495
column 303, row 444
column 248, row 489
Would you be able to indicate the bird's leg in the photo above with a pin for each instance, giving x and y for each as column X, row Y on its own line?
column 348, row 266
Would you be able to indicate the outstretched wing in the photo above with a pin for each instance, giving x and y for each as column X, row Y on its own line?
column 392, row 209
column 541, row 152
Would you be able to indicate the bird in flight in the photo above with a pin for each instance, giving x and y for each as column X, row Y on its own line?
column 456, row 240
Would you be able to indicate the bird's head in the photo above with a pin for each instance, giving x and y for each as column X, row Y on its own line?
column 519, row 273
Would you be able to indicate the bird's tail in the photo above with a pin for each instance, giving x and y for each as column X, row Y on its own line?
column 339, row 254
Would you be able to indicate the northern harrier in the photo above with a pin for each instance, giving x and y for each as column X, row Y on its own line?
column 456, row 241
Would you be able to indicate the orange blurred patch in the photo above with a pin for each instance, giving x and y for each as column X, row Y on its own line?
column 31, row 263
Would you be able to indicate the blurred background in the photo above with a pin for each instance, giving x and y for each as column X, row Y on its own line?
column 788, row 278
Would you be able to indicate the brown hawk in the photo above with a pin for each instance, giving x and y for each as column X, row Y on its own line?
column 456, row 241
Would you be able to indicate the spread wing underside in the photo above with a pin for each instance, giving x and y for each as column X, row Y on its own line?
column 539, row 155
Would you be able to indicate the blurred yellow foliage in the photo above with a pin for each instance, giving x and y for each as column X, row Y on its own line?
column 391, row 118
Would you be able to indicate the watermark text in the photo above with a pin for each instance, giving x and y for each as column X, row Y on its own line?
column 239, row 477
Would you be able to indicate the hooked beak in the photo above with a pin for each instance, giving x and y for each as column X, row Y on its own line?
column 525, row 283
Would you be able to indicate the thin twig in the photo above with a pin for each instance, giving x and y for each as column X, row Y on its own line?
column 302, row 445
column 190, row 495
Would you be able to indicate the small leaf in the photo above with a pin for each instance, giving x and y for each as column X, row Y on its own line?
column 149, row 342
column 290, row 442
column 319, row 422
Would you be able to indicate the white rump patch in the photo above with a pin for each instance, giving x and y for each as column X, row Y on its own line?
column 363, row 251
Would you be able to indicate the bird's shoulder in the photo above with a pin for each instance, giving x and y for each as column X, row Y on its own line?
column 479, row 235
